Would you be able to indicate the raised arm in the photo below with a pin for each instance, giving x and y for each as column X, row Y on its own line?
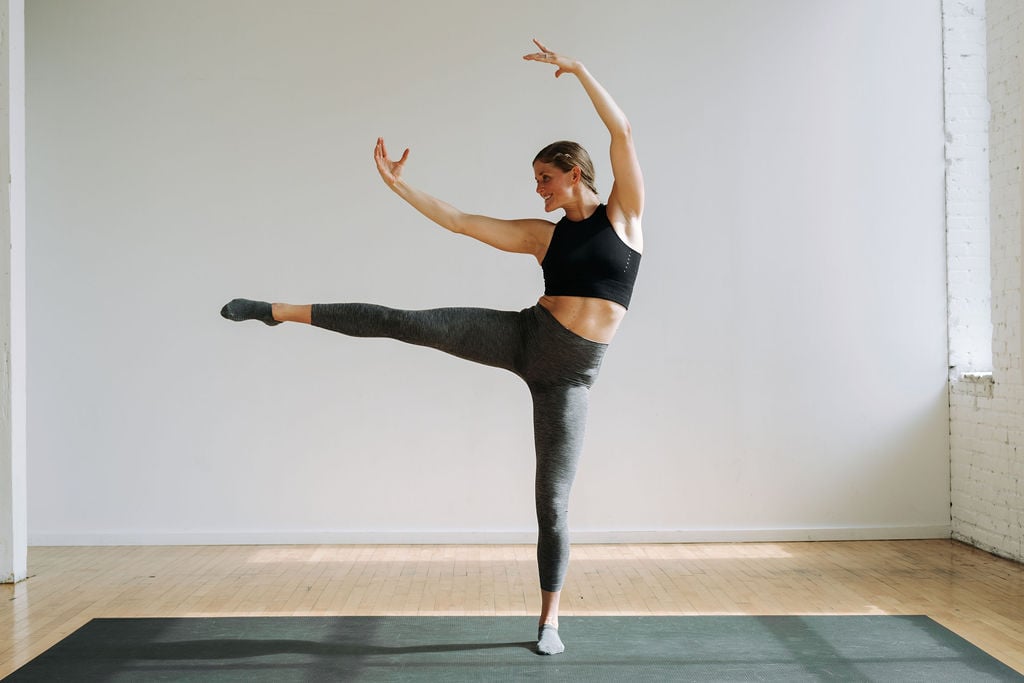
column 627, row 193
column 528, row 236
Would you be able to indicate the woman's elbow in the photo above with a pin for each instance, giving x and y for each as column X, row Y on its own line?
column 622, row 130
column 457, row 222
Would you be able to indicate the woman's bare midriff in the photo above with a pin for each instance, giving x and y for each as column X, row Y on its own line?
column 590, row 318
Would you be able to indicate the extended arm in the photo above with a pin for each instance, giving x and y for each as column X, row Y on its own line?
column 529, row 236
column 628, row 190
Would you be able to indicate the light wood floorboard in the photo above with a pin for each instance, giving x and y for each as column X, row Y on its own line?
column 976, row 595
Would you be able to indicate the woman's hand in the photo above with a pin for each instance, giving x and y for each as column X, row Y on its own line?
column 390, row 171
column 565, row 64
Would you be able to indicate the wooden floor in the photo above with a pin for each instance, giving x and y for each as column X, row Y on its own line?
column 978, row 596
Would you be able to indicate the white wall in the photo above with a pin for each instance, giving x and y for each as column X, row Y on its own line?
column 782, row 372
column 987, row 413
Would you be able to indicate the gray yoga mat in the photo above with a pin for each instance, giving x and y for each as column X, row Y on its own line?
column 705, row 648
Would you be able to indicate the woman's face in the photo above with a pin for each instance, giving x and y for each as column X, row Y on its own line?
column 553, row 185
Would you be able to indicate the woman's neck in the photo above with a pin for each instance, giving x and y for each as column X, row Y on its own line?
column 582, row 208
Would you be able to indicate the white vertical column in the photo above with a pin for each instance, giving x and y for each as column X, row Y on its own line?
column 13, row 508
column 968, row 237
column 1019, row 350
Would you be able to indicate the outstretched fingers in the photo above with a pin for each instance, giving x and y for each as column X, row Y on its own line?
column 389, row 170
column 545, row 55
column 380, row 152
column 564, row 64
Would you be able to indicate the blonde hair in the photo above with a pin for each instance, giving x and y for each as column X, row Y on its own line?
column 566, row 155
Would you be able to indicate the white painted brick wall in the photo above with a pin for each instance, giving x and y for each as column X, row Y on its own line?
column 986, row 413
column 967, row 191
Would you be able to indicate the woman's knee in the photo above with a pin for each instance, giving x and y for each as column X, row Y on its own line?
column 552, row 519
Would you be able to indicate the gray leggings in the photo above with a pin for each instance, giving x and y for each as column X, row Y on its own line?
column 557, row 365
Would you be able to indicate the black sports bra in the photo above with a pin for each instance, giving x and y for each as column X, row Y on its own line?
column 588, row 258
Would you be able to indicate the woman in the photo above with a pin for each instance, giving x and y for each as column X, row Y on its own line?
column 589, row 259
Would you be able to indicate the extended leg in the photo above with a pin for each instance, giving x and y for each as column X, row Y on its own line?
column 271, row 314
column 291, row 313
column 477, row 334
column 246, row 309
column 480, row 335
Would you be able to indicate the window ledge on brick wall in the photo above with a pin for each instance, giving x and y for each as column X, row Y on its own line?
column 975, row 384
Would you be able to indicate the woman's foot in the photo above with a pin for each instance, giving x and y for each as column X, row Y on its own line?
column 548, row 642
column 244, row 309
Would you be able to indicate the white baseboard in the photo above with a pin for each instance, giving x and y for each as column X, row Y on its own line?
column 488, row 537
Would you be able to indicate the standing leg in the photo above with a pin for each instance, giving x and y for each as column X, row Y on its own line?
column 560, row 416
